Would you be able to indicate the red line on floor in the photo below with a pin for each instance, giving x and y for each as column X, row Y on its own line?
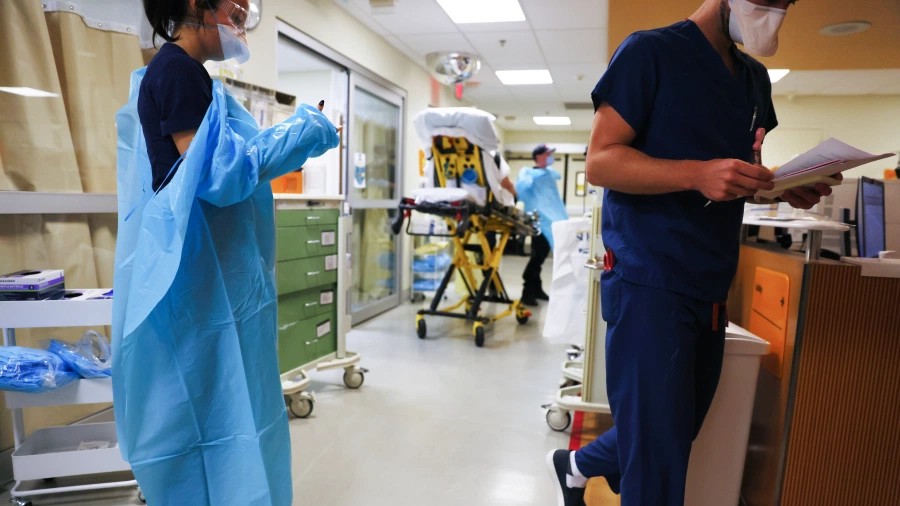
column 577, row 425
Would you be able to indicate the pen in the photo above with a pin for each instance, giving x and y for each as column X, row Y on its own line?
column 757, row 144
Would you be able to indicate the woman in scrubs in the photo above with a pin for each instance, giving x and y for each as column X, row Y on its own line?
column 197, row 394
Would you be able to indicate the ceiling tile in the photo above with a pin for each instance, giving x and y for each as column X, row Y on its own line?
column 414, row 16
column 573, row 46
column 519, row 52
column 566, row 14
column 424, row 44
column 517, row 26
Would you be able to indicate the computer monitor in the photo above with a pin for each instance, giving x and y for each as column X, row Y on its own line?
column 870, row 217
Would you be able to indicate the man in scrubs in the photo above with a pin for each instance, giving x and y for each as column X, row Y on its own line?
column 680, row 117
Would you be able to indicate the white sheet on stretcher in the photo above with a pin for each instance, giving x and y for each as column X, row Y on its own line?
column 438, row 195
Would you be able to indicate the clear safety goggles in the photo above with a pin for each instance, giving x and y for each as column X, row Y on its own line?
column 234, row 15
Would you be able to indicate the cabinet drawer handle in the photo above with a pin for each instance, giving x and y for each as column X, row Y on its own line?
column 314, row 273
column 313, row 217
column 313, row 241
column 311, row 304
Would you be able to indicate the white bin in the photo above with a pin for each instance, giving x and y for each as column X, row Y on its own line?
column 716, row 467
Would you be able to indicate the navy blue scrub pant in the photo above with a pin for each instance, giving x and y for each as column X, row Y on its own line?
column 663, row 359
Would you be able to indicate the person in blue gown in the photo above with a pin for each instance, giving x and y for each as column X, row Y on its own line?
column 197, row 394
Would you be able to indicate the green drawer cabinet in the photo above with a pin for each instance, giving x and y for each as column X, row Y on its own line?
column 301, row 342
column 306, row 217
column 301, row 242
column 306, row 273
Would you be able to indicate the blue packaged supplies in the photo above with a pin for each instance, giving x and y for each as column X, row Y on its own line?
column 89, row 357
column 32, row 371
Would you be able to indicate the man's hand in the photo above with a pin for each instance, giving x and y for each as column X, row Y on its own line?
column 729, row 179
column 805, row 197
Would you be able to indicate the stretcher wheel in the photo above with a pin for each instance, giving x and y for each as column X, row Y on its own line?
column 301, row 407
column 479, row 336
column 421, row 330
column 558, row 419
column 354, row 378
column 522, row 319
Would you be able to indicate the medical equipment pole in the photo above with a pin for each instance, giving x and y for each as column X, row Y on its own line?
column 9, row 339
column 595, row 265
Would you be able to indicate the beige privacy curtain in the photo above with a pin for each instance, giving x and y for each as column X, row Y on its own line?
column 64, row 143
column 94, row 68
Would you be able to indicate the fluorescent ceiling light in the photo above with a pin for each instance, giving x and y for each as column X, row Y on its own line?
column 516, row 77
column 481, row 11
column 776, row 75
column 552, row 120
column 27, row 92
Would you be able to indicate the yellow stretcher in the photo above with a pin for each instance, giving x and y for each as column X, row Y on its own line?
column 479, row 226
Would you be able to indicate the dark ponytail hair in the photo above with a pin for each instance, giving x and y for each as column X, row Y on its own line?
column 164, row 14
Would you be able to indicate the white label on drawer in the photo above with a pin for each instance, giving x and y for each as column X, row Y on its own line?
column 331, row 262
column 328, row 238
column 326, row 298
column 323, row 329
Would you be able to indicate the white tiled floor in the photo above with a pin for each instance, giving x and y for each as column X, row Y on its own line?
column 438, row 421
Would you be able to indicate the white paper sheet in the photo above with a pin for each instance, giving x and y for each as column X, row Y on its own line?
column 818, row 165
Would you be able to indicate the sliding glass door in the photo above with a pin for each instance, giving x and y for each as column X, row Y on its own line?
column 373, row 183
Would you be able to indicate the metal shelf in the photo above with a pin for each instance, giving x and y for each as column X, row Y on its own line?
column 81, row 311
column 16, row 202
column 85, row 391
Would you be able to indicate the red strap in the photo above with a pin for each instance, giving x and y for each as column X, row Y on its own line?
column 609, row 260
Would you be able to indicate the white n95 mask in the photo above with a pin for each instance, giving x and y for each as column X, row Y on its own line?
column 233, row 46
column 755, row 26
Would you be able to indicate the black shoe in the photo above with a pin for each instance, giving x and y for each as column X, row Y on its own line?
column 529, row 300
column 541, row 295
column 558, row 465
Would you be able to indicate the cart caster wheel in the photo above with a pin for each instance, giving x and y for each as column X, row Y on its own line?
column 479, row 336
column 301, row 407
column 141, row 496
column 354, row 378
column 421, row 330
column 16, row 501
column 522, row 319
column 558, row 419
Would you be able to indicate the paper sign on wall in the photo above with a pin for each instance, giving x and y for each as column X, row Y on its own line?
column 359, row 170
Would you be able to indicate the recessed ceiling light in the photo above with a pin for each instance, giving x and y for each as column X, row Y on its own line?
column 517, row 77
column 552, row 120
column 847, row 28
column 27, row 92
column 776, row 75
column 480, row 11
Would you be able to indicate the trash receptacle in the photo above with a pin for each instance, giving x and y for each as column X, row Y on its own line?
column 716, row 467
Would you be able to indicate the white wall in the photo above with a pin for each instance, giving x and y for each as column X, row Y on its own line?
column 871, row 123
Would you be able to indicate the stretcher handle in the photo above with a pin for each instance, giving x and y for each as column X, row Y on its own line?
column 594, row 264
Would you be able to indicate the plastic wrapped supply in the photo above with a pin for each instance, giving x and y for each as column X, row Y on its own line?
column 89, row 357
column 32, row 371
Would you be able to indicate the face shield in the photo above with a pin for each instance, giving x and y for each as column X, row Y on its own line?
column 231, row 21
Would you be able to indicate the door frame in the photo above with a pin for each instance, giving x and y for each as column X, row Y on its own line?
column 377, row 85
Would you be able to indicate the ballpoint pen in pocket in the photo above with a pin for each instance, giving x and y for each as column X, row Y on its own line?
column 757, row 144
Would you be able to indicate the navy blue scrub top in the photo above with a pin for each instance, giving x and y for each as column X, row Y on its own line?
column 675, row 91
column 174, row 96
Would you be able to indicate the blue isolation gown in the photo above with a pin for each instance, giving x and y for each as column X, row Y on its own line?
column 537, row 189
column 197, row 395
